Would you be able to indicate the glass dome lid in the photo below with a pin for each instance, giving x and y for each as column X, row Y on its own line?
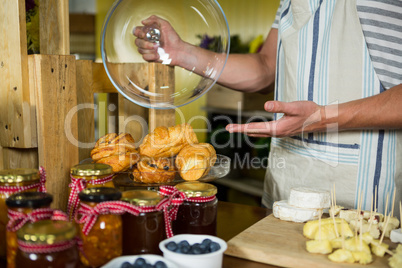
column 158, row 85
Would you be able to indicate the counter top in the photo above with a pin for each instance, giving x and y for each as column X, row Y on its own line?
column 232, row 220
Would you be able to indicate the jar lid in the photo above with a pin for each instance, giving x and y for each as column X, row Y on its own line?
column 99, row 194
column 47, row 232
column 197, row 189
column 18, row 175
column 142, row 197
column 29, row 200
column 92, row 169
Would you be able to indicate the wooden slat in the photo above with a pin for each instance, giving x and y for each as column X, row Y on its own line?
column 19, row 158
column 1, row 158
column 54, row 27
column 133, row 118
column 161, row 78
column 16, row 128
column 85, row 101
column 101, row 82
column 57, row 121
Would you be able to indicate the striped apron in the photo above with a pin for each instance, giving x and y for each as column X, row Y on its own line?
column 322, row 57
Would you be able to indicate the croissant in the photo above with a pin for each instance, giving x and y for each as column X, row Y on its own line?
column 118, row 151
column 194, row 161
column 150, row 170
column 167, row 142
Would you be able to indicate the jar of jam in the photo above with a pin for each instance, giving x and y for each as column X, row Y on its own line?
column 47, row 243
column 13, row 181
column 197, row 214
column 143, row 231
column 23, row 203
column 100, row 231
column 87, row 176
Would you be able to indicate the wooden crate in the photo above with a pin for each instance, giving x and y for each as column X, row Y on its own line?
column 47, row 113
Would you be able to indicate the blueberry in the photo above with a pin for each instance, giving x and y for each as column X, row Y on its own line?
column 172, row 246
column 214, row 247
column 204, row 248
column 206, row 242
column 183, row 243
column 185, row 249
column 196, row 249
column 126, row 265
column 140, row 262
column 160, row 264
column 148, row 265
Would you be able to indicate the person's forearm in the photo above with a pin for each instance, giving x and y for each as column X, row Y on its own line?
column 242, row 72
column 382, row 111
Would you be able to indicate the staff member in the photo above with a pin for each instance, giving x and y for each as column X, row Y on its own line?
column 337, row 68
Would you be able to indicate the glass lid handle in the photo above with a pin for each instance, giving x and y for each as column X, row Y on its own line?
column 153, row 34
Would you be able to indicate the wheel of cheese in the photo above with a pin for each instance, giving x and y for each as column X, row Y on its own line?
column 309, row 198
column 283, row 211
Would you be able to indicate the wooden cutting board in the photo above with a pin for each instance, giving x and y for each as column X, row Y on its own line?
column 276, row 242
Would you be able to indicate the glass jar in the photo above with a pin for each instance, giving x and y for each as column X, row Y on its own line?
column 24, row 203
column 143, row 232
column 197, row 214
column 13, row 181
column 47, row 243
column 87, row 176
column 103, row 242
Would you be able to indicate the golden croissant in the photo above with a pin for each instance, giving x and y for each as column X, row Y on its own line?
column 118, row 151
column 167, row 142
column 194, row 161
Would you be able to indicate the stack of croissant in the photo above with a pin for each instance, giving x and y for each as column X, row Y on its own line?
column 163, row 153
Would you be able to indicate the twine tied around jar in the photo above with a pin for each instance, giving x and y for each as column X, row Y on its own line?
column 77, row 185
column 176, row 198
column 90, row 214
column 19, row 219
column 45, row 248
column 41, row 185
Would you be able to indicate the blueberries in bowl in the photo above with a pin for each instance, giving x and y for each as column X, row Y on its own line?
column 183, row 247
column 142, row 263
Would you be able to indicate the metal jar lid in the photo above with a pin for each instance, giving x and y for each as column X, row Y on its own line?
column 142, row 197
column 99, row 194
column 18, row 175
column 47, row 232
column 29, row 200
column 197, row 189
column 93, row 169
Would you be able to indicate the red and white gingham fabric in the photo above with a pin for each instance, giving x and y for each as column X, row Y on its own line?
column 45, row 248
column 18, row 219
column 77, row 185
column 41, row 185
column 177, row 198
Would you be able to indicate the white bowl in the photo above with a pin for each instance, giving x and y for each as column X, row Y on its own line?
column 207, row 260
column 152, row 259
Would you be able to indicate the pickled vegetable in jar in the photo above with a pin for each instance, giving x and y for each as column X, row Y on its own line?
column 14, row 181
column 47, row 243
column 144, row 228
column 19, row 205
column 197, row 214
column 99, row 229
column 87, row 176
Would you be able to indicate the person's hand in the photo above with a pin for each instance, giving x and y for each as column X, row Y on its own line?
column 169, row 40
column 299, row 117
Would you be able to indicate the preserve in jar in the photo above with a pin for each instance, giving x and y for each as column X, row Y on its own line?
column 87, row 176
column 144, row 229
column 99, row 230
column 197, row 214
column 22, row 204
column 47, row 243
column 13, row 181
